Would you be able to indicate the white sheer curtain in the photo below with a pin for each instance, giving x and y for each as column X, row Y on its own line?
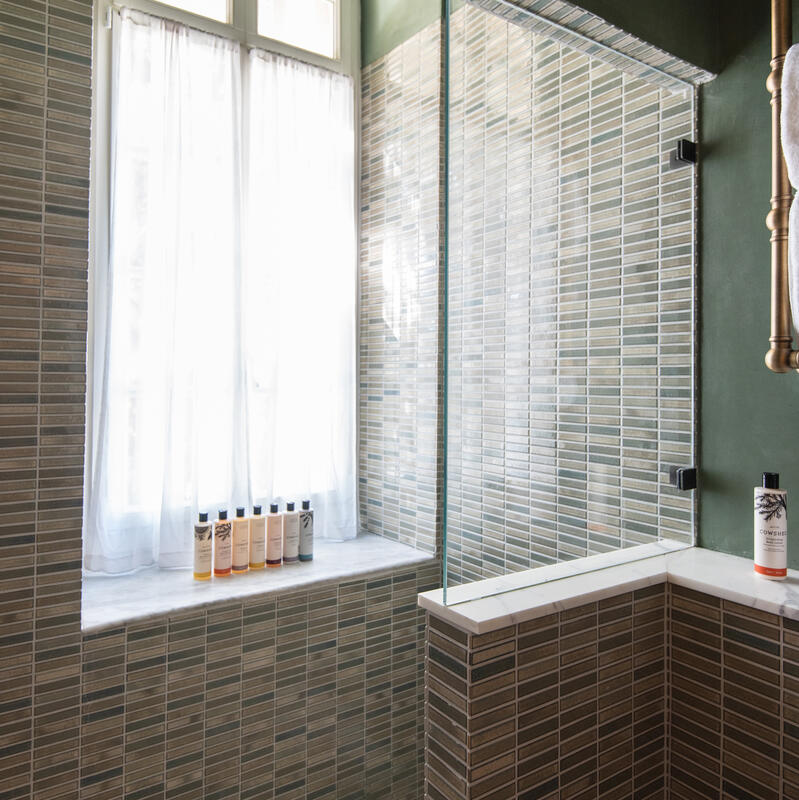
column 224, row 316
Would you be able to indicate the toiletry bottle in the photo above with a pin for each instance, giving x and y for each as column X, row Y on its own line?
column 306, row 531
column 223, row 549
column 291, row 534
column 257, row 538
column 771, row 529
column 274, row 537
column 203, row 548
column 241, row 542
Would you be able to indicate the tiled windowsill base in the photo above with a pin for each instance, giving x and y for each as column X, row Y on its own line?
column 717, row 574
column 112, row 600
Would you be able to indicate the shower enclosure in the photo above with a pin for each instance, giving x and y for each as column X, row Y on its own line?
column 569, row 340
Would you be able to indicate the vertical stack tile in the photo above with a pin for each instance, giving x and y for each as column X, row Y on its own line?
column 405, row 682
column 751, row 725
column 568, row 705
column 222, row 732
column 145, row 710
column 102, row 733
column 617, row 622
column 790, row 708
column 185, row 705
column 258, row 697
column 321, row 680
column 378, row 688
column 650, row 687
column 291, row 691
column 400, row 352
column 350, row 687
column 696, row 694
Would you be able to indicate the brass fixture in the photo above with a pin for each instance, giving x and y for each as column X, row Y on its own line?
column 781, row 356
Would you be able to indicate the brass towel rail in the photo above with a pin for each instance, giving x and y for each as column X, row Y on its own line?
column 781, row 356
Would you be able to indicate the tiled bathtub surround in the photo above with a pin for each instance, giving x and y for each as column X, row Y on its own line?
column 571, row 289
column 662, row 691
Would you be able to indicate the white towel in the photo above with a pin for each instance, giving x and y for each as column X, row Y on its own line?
column 789, row 131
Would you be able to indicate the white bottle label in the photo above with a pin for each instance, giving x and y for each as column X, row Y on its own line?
column 274, row 538
column 306, row 533
column 203, row 548
column 291, row 536
column 223, row 547
column 241, row 544
column 257, row 541
column 771, row 532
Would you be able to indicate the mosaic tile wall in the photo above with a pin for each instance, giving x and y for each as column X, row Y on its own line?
column 734, row 700
column 571, row 705
column 666, row 692
column 314, row 694
column 45, row 91
column 571, row 304
column 400, row 358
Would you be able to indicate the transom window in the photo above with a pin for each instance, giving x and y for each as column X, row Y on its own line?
column 213, row 9
column 310, row 25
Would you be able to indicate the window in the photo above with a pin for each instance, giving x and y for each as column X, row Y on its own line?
column 311, row 26
column 308, row 24
column 223, row 334
column 213, row 9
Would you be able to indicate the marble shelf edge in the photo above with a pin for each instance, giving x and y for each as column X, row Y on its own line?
column 719, row 574
column 107, row 601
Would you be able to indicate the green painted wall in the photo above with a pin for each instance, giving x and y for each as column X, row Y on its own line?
column 686, row 28
column 747, row 413
column 387, row 23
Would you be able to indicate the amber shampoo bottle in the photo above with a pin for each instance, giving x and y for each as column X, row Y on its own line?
column 223, row 549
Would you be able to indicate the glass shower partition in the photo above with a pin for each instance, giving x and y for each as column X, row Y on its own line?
column 570, row 292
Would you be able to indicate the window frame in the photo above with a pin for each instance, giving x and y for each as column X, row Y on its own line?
column 243, row 29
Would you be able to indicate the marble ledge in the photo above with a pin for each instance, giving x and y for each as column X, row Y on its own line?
column 108, row 601
column 718, row 574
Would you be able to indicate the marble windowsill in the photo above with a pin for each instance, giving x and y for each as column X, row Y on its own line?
column 725, row 576
column 113, row 600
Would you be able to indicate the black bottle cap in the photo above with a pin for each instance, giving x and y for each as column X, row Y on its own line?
column 223, row 514
column 203, row 516
column 771, row 480
column 289, row 506
column 239, row 512
column 256, row 509
column 306, row 505
column 273, row 508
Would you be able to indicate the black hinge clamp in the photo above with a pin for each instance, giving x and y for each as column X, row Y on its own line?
column 684, row 478
column 685, row 152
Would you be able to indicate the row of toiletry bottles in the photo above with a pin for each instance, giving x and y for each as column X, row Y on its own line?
column 245, row 543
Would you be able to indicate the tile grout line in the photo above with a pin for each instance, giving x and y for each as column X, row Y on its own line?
column 781, row 733
column 667, row 676
column 37, row 489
